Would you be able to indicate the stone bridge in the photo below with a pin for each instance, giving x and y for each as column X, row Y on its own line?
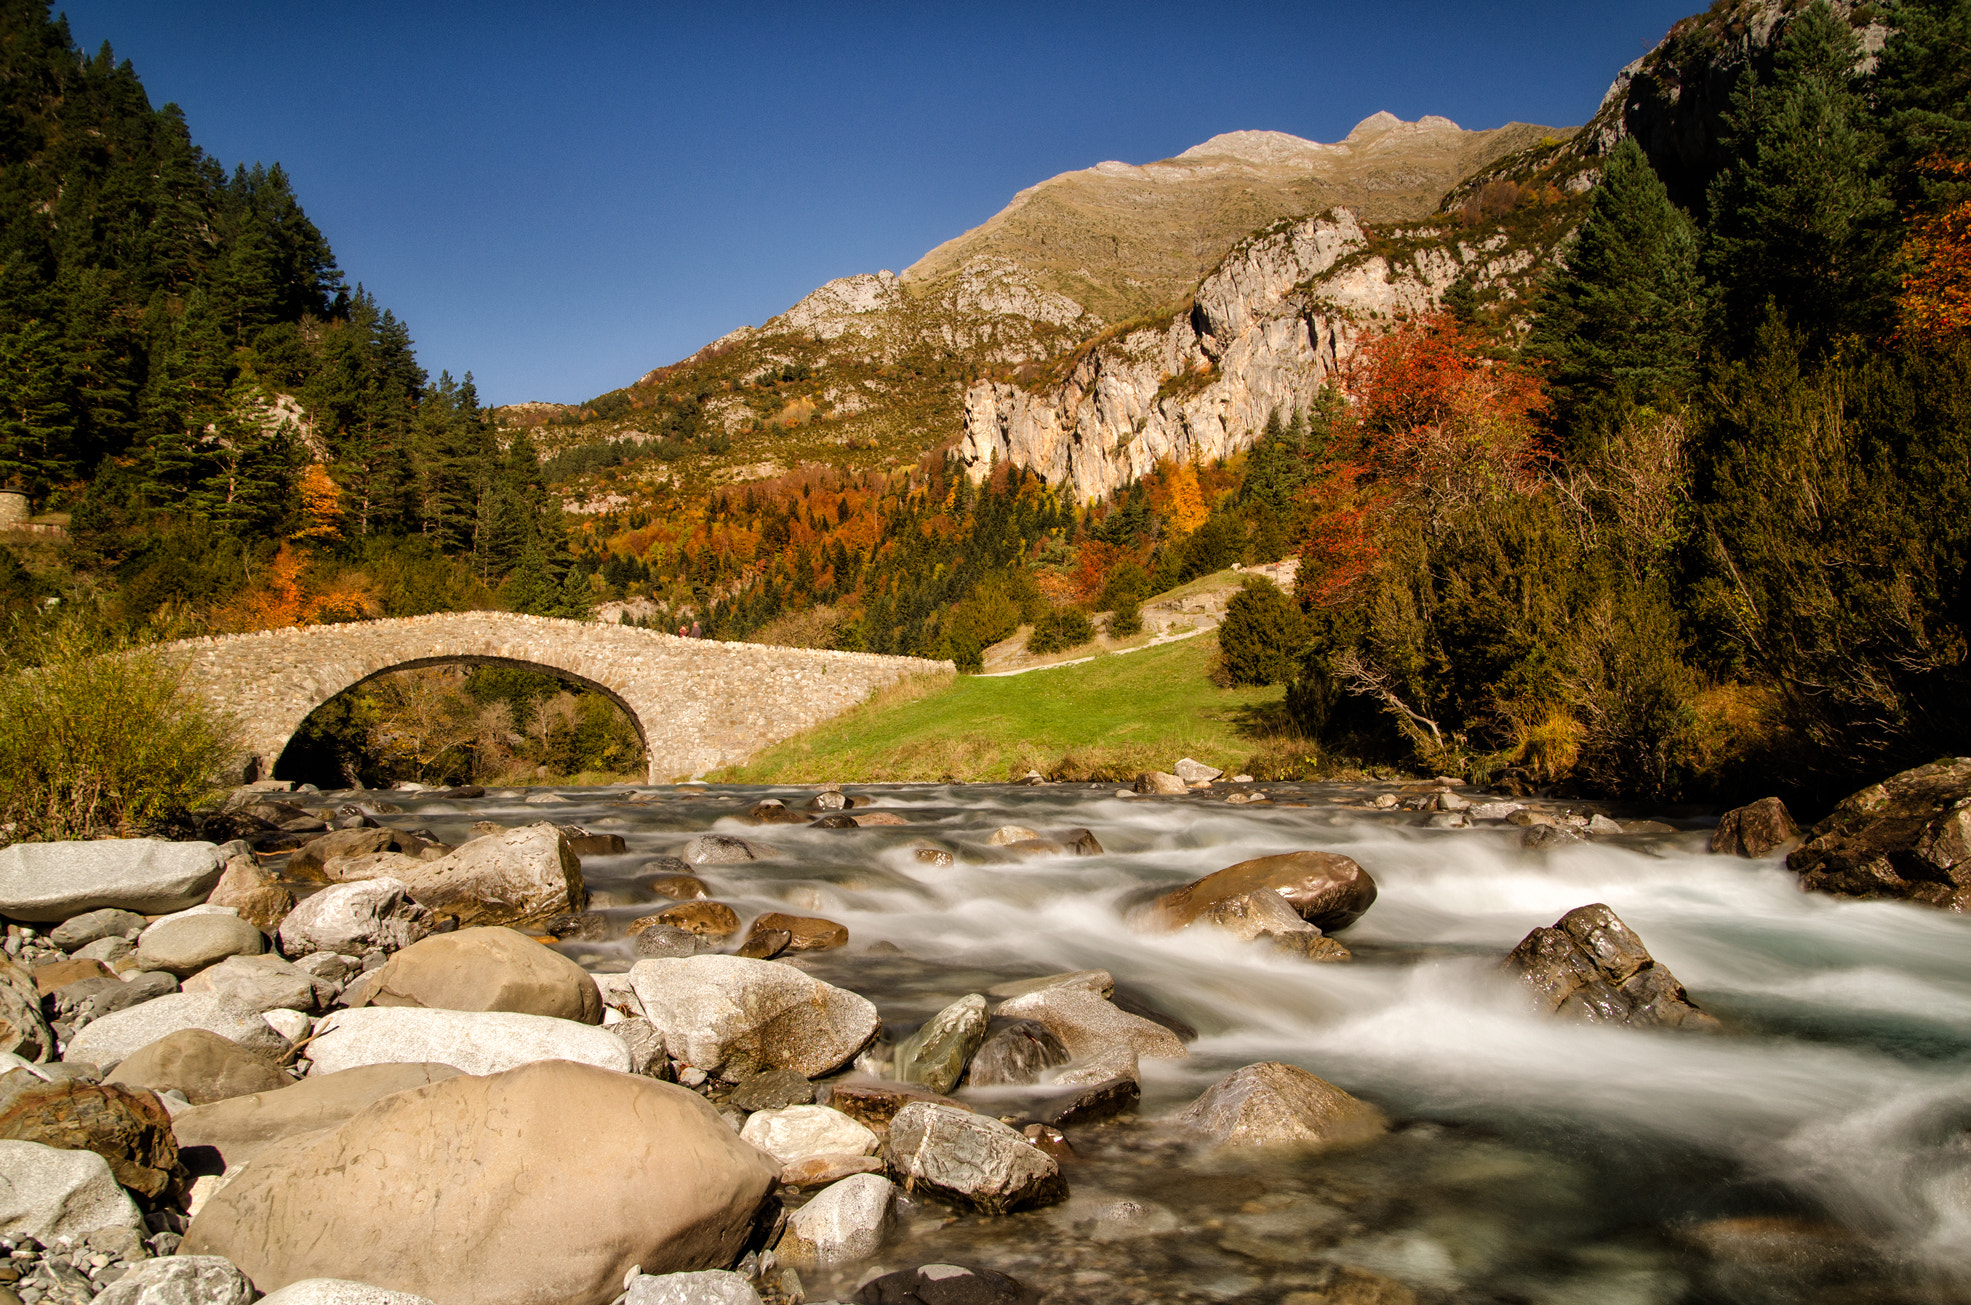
column 698, row 704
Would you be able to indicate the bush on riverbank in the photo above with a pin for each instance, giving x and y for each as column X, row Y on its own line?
column 99, row 737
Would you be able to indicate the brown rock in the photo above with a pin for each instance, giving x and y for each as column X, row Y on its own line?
column 583, row 842
column 821, row 1170
column 772, row 812
column 875, row 1102
column 1156, row 781
column 1263, row 915
column 1326, row 889
column 805, row 933
column 764, row 944
column 934, row 856
column 877, row 819
column 706, row 919
column 679, row 888
column 1756, row 830
column 1590, row 966
column 59, row 974
column 202, row 1065
column 1276, row 1105
column 23, row 1029
column 130, row 1129
column 1907, row 837
column 261, row 900
column 308, row 862
column 238, row 1128
column 488, row 969
column 1105, row 1100
column 577, row 1176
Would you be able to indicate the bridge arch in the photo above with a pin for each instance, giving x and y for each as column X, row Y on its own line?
column 698, row 704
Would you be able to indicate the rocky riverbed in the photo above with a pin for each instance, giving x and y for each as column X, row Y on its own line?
column 1208, row 1041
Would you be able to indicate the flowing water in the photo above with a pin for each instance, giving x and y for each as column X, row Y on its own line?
column 1817, row 1150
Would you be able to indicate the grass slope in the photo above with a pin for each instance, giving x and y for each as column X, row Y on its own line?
column 1105, row 719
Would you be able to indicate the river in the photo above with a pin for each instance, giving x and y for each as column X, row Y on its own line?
column 1816, row 1150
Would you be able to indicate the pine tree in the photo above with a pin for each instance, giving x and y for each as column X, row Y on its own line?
column 1796, row 217
column 1922, row 91
column 35, row 421
column 1623, row 321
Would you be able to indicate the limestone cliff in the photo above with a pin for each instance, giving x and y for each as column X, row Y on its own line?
column 1266, row 329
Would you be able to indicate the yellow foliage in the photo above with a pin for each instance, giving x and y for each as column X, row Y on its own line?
column 321, row 504
column 1187, row 509
column 1550, row 748
column 290, row 592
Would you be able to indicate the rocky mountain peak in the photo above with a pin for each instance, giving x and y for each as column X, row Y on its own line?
column 1261, row 147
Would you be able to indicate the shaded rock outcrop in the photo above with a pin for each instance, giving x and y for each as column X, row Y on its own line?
column 1590, row 966
column 1908, row 837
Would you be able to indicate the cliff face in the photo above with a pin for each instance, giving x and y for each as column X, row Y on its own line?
column 1279, row 316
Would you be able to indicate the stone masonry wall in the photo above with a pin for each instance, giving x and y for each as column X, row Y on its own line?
column 699, row 704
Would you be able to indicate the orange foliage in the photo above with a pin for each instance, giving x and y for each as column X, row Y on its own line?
column 1339, row 546
column 289, row 592
column 1178, row 496
column 321, row 504
column 1935, row 304
column 1092, row 568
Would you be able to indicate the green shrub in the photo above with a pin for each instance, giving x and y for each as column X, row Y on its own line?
column 1262, row 635
column 1059, row 630
column 1125, row 620
column 100, row 739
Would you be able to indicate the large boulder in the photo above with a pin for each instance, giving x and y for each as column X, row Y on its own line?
column 795, row 1133
column 108, row 1040
column 186, row 944
column 94, row 926
column 1326, row 889
column 1090, row 1026
column 48, row 1192
column 1262, row 915
column 477, row 1042
column 545, row 1183
column 239, row 1128
column 1276, row 1105
column 735, row 1017
column 845, row 1221
column 311, row 859
column 42, row 882
column 340, row 1291
column 1907, row 837
column 354, row 918
column 1758, row 829
column 129, row 1129
column 24, row 1031
column 488, row 968
column 201, row 1066
column 265, row 982
column 971, row 1160
column 937, row 1054
column 522, row 876
column 261, row 900
column 1016, row 1055
column 180, row 1280
column 1590, row 966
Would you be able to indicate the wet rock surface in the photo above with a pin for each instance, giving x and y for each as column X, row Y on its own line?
column 1907, row 837
column 1326, row 889
column 1590, row 966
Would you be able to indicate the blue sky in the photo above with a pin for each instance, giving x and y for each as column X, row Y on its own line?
column 560, row 197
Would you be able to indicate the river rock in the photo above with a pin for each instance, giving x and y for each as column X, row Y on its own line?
column 239, row 1128
column 44, row 882
column 82, row 1003
column 1326, row 889
column 129, row 1129
column 56, row 975
column 646, row 1044
column 477, row 1042
column 1007, row 835
column 1016, row 1055
column 821, row 1170
column 723, row 849
column 202, row 1067
column 265, row 982
column 845, row 1221
column 875, row 1102
column 734, row 1017
column 1907, row 837
column 117, row 953
column 1539, row 838
column 947, row 1284
column 805, row 933
column 1195, row 772
column 180, row 1280
column 1263, row 915
column 91, row 926
column 1156, row 781
column 261, row 900
column 583, row 842
column 523, row 876
column 1099, row 982
column 488, row 969
column 413, row 1191
column 340, row 1291
column 795, row 1133
column 23, row 1030
column 107, row 1041
column 311, row 860
column 937, row 1054
column 773, row 811
column 679, row 888
column 1590, row 966
column 48, row 1193
column 1088, row 1025
column 186, row 944
column 1276, row 1105
column 971, row 1160
column 713, row 920
column 1104, row 1099
column 351, row 919
column 706, row 1287
column 665, row 942
column 773, row 1090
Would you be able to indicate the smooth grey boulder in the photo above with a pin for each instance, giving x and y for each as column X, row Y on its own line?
column 180, row 1280
column 340, row 1291
column 516, row 877
column 23, row 1030
column 477, row 1042
column 1016, row 1055
column 845, row 1221
column 971, row 1160
column 186, row 944
column 264, row 982
column 706, row 1287
column 1276, row 1105
column 355, row 918
column 93, row 926
column 47, row 1193
column 735, row 1017
column 723, row 849
column 107, row 1041
column 43, row 882
column 792, row 1134
column 1088, row 1025
column 937, row 1054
